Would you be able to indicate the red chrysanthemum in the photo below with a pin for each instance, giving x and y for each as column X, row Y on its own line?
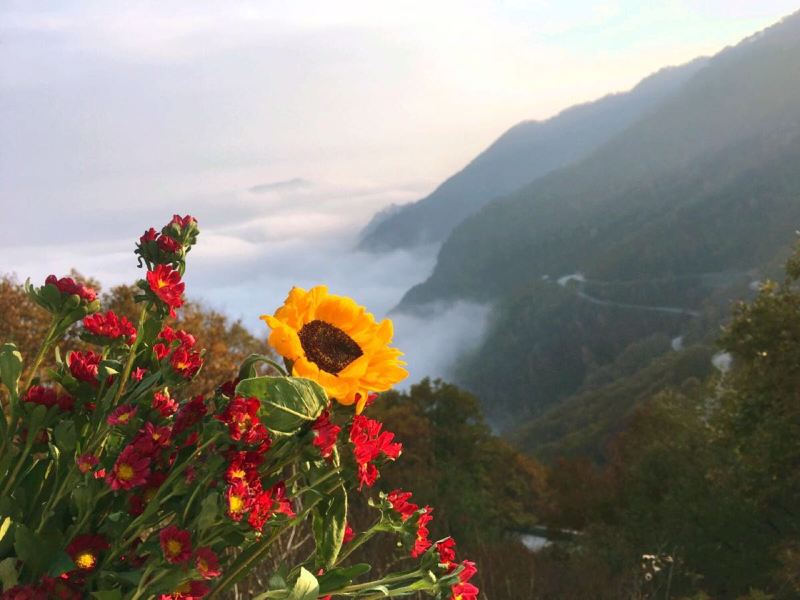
column 138, row 374
column 84, row 366
column 241, row 417
column 422, row 543
column 167, row 285
column 39, row 394
column 68, row 286
column 447, row 553
column 399, row 501
column 85, row 550
column 122, row 415
column 130, row 470
column 325, row 434
column 176, row 544
column 239, row 499
column 189, row 414
column 168, row 245
column 182, row 222
column 161, row 351
column 86, row 462
column 243, row 466
column 48, row 588
column 284, row 504
column 137, row 503
column 169, row 335
column 468, row 572
column 369, row 442
column 349, row 534
column 164, row 404
column 207, row 563
column 464, row 591
column 151, row 438
column 110, row 326
column 151, row 235
column 267, row 503
column 185, row 363
column 188, row 590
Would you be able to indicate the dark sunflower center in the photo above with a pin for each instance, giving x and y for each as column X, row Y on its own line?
column 330, row 348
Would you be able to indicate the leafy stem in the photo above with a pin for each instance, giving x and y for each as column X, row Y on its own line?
column 126, row 372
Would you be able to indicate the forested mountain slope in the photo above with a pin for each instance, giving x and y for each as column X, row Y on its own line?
column 687, row 204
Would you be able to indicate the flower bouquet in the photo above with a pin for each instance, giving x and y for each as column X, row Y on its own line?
column 113, row 485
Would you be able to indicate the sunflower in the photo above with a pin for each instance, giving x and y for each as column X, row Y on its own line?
column 337, row 343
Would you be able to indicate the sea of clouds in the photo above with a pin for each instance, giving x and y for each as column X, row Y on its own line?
column 256, row 242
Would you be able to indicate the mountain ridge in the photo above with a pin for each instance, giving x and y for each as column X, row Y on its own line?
column 521, row 154
column 705, row 184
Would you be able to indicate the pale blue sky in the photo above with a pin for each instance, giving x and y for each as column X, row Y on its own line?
column 378, row 93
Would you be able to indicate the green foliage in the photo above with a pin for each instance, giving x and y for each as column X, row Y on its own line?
column 708, row 475
column 584, row 423
column 329, row 522
column 545, row 342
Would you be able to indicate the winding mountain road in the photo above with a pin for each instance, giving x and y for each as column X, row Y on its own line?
column 581, row 282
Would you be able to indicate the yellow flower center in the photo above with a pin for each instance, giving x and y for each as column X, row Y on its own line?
column 162, row 283
column 238, row 474
column 202, row 565
column 123, row 418
column 330, row 348
column 125, row 472
column 174, row 547
column 235, row 503
column 85, row 560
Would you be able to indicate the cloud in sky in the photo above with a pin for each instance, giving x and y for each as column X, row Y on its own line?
column 285, row 126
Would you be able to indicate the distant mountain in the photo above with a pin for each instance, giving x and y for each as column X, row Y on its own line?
column 526, row 151
column 696, row 196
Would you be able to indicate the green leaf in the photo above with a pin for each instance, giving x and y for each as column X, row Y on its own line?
column 36, row 419
column 287, row 403
column 209, row 509
column 10, row 367
column 65, row 436
column 8, row 573
column 151, row 328
column 61, row 564
column 108, row 595
column 248, row 368
column 51, row 296
column 36, row 552
column 338, row 578
column 306, row 587
column 131, row 577
column 108, row 368
column 82, row 497
column 278, row 579
column 381, row 589
column 329, row 523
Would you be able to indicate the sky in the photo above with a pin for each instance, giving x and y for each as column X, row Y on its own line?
column 284, row 126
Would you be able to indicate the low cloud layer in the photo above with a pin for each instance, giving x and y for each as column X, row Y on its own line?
column 254, row 246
